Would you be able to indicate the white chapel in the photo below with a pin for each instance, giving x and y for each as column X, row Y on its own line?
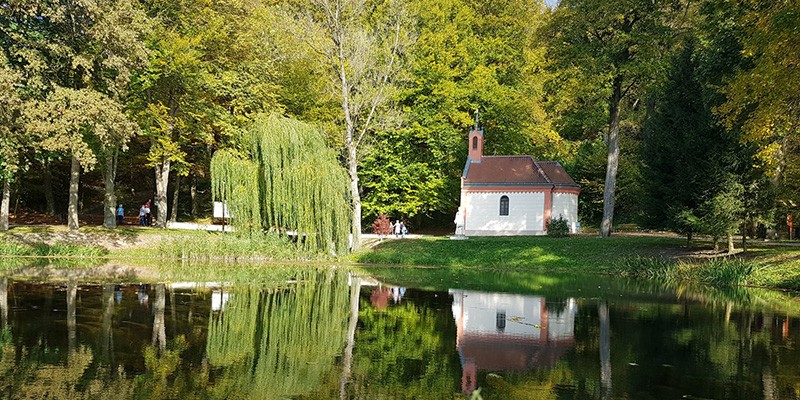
column 513, row 195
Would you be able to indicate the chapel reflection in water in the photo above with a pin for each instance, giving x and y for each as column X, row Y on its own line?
column 506, row 332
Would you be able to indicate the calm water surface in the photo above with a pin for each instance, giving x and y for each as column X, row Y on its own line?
column 327, row 333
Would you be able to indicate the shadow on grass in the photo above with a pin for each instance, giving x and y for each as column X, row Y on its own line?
column 49, row 240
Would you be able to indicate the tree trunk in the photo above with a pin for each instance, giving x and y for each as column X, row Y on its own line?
column 730, row 244
column 3, row 303
column 613, row 159
column 74, row 180
column 689, row 240
column 110, row 199
column 745, row 231
column 605, row 349
column 72, row 307
column 355, row 291
column 174, row 214
column 48, row 188
column 5, row 205
column 106, row 331
column 162, row 179
column 193, row 192
column 356, row 198
column 159, row 327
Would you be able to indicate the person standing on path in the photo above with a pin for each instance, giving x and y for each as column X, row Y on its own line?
column 403, row 229
column 148, row 217
column 397, row 228
column 142, row 215
column 120, row 215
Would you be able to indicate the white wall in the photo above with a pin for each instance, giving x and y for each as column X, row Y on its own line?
column 525, row 213
column 523, row 315
column 566, row 205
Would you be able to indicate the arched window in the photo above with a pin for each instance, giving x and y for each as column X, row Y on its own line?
column 504, row 205
column 474, row 142
column 501, row 321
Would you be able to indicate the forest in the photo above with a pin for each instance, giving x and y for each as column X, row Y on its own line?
column 676, row 115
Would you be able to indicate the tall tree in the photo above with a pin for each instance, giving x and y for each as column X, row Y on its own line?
column 285, row 177
column 11, row 137
column 361, row 43
column 80, row 123
column 468, row 55
column 683, row 147
column 610, row 48
column 763, row 99
column 66, row 50
column 205, row 80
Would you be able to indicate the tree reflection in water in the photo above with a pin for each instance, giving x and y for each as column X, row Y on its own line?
column 317, row 333
column 280, row 342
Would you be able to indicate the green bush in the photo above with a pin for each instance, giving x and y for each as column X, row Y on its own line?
column 558, row 227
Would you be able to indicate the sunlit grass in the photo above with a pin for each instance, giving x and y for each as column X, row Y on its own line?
column 573, row 254
column 12, row 248
column 648, row 257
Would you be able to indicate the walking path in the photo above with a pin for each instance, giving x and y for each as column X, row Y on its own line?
column 372, row 236
column 199, row 227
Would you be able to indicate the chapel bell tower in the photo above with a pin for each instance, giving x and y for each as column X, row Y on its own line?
column 475, row 142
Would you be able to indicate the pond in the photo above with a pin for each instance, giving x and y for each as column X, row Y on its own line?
column 327, row 332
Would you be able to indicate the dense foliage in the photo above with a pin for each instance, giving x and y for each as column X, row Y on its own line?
column 285, row 179
column 677, row 115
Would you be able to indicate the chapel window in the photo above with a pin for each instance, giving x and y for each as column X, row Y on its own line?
column 504, row 205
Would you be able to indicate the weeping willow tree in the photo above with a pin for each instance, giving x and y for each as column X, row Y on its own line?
column 285, row 178
column 279, row 342
column 231, row 333
column 234, row 180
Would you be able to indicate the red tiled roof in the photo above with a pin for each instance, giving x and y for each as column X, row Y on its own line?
column 504, row 169
column 514, row 354
column 515, row 170
column 556, row 173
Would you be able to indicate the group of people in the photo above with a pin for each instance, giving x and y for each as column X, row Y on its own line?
column 145, row 216
column 399, row 229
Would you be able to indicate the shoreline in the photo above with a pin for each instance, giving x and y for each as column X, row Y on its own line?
column 772, row 265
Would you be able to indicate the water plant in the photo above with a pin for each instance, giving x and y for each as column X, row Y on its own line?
column 715, row 271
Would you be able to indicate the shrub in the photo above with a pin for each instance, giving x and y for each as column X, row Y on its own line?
column 382, row 226
column 558, row 227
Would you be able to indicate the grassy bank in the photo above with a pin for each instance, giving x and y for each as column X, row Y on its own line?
column 650, row 257
column 227, row 247
column 544, row 254
column 148, row 243
column 40, row 249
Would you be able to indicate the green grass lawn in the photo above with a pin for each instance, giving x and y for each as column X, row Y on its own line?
column 539, row 253
column 638, row 256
